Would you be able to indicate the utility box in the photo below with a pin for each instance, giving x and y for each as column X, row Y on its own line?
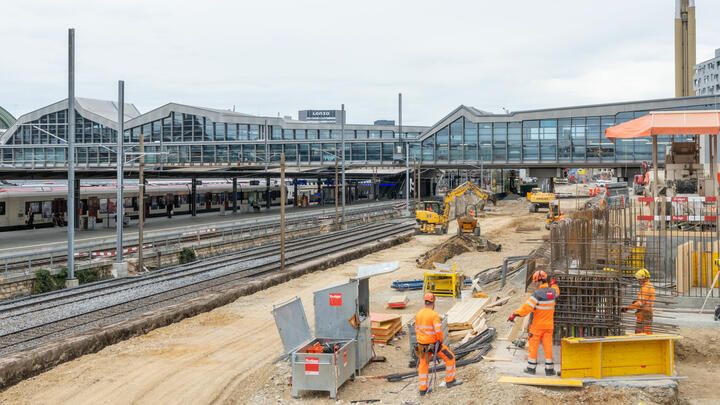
column 342, row 311
column 342, row 325
column 313, row 371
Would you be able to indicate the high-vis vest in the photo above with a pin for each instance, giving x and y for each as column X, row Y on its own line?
column 542, row 305
column 645, row 299
column 428, row 327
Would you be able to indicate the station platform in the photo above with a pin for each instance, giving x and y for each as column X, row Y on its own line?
column 35, row 241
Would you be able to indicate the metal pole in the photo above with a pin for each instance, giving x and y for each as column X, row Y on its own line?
column 234, row 191
column 267, row 162
column 120, row 161
column 283, row 197
column 141, row 201
column 71, row 160
column 337, row 184
column 342, row 138
column 407, row 157
column 655, row 165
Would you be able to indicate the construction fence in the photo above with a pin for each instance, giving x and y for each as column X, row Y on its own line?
column 595, row 252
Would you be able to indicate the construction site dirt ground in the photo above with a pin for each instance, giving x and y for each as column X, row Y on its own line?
column 230, row 355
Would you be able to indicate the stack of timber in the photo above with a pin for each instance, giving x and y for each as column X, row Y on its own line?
column 384, row 327
column 466, row 319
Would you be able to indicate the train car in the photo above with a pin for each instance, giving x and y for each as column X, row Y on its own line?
column 45, row 205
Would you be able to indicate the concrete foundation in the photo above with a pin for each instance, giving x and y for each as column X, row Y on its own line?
column 72, row 282
column 119, row 270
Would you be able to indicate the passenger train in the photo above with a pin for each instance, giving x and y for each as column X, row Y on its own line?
column 45, row 204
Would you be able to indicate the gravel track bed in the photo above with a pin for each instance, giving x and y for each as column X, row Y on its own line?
column 112, row 286
column 24, row 302
column 146, row 296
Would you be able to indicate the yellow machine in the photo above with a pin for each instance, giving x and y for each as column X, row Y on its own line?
column 444, row 281
column 433, row 216
column 468, row 223
column 539, row 199
column 554, row 214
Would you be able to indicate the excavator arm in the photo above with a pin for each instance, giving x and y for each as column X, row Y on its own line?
column 483, row 195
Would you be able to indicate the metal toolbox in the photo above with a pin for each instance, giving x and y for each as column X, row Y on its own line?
column 342, row 311
column 313, row 371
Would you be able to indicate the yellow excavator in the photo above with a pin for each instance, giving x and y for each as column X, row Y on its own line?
column 434, row 216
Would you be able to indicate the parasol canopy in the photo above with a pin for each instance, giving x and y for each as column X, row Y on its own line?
column 668, row 123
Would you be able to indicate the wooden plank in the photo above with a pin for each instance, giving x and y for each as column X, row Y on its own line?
column 463, row 314
column 498, row 302
column 542, row 381
column 497, row 359
column 380, row 317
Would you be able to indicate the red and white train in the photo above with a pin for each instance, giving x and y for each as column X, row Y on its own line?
column 45, row 204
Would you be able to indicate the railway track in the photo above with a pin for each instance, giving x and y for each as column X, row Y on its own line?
column 100, row 249
column 32, row 322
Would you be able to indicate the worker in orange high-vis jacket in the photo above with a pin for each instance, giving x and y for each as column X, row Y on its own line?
column 644, row 304
column 542, row 306
column 428, row 330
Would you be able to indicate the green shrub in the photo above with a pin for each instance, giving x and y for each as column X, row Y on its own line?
column 45, row 281
column 88, row 276
column 187, row 255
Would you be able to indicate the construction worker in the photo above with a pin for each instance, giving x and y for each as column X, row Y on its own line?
column 428, row 330
column 643, row 305
column 542, row 306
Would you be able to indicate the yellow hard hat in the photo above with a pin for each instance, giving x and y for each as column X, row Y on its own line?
column 642, row 274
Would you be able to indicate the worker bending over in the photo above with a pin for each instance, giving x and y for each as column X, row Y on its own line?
column 644, row 303
column 542, row 306
column 428, row 330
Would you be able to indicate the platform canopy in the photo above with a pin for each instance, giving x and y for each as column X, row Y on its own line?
column 668, row 123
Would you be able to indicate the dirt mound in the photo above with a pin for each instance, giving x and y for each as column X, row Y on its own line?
column 453, row 247
column 698, row 346
column 605, row 395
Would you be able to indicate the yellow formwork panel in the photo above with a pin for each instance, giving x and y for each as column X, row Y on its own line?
column 442, row 284
column 704, row 268
column 614, row 356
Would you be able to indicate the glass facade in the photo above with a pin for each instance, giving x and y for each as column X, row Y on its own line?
column 181, row 138
column 561, row 140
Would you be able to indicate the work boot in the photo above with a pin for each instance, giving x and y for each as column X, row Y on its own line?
column 529, row 370
column 423, row 392
column 549, row 372
column 453, row 383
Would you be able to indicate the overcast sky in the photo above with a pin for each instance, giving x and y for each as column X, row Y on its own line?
column 276, row 57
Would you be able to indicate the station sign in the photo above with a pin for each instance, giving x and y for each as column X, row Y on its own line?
column 320, row 115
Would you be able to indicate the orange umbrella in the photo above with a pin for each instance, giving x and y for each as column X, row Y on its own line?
column 668, row 123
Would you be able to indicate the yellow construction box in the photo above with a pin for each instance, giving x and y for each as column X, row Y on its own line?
column 613, row 356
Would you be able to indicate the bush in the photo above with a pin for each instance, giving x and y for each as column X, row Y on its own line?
column 187, row 255
column 45, row 281
column 88, row 276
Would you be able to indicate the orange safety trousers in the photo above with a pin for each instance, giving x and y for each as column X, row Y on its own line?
column 424, row 359
column 643, row 321
column 546, row 337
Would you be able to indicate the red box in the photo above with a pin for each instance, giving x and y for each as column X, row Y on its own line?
column 335, row 299
column 312, row 366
